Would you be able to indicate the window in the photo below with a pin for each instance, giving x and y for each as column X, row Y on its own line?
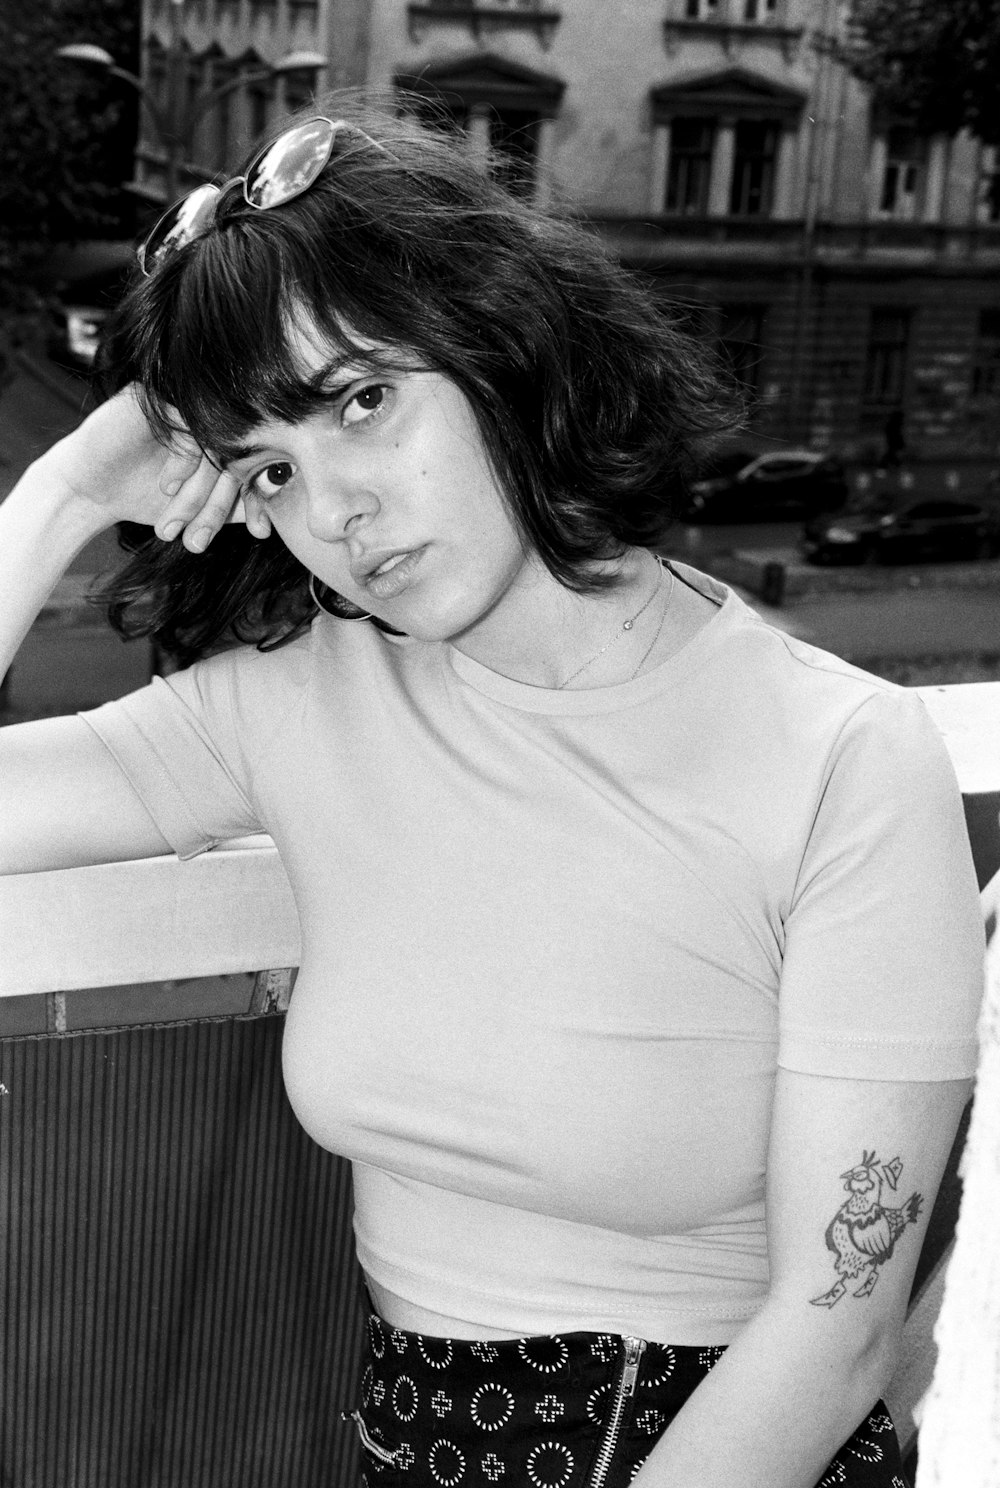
column 986, row 356
column 740, row 332
column 690, row 168
column 514, row 141
column 888, row 348
column 156, row 74
column 219, row 116
column 223, row 130
column 756, row 150
column 499, row 106
column 701, row 10
column 903, row 178
column 300, row 88
column 988, row 195
column 192, row 80
column 512, row 134
column 759, row 12
column 259, row 100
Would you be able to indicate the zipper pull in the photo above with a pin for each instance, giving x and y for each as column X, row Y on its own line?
column 634, row 1350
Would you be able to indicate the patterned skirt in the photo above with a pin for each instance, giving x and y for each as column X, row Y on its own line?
column 576, row 1410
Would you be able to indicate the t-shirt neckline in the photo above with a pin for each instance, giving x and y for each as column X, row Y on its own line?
column 532, row 699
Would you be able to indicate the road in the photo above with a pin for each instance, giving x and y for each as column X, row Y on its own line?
column 60, row 669
column 907, row 624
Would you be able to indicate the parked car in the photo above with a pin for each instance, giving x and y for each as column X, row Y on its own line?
column 88, row 282
column 781, row 485
column 920, row 530
column 76, row 334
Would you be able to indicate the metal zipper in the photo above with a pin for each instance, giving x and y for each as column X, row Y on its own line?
column 377, row 1450
column 634, row 1350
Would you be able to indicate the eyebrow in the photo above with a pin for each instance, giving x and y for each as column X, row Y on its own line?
column 317, row 387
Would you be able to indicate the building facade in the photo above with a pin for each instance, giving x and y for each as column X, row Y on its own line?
column 218, row 74
column 846, row 265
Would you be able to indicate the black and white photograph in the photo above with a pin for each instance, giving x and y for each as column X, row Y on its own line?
column 499, row 744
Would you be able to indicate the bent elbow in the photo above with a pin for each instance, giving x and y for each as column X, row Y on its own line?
column 876, row 1361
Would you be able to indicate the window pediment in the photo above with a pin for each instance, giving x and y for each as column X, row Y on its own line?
column 733, row 92
column 485, row 78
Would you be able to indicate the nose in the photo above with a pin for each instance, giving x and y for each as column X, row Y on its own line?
column 338, row 506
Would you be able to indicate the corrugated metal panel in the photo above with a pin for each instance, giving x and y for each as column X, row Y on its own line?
column 180, row 1298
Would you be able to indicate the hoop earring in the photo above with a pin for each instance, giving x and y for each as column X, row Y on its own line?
column 337, row 606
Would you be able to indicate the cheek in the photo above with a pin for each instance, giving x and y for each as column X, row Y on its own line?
column 292, row 531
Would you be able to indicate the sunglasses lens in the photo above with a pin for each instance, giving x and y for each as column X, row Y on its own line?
column 185, row 221
column 290, row 166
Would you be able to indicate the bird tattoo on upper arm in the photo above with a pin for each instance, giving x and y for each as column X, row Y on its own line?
column 862, row 1234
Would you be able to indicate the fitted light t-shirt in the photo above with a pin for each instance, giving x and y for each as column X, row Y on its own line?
column 557, row 942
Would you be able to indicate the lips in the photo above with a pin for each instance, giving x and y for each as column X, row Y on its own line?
column 386, row 573
column 379, row 558
column 388, row 565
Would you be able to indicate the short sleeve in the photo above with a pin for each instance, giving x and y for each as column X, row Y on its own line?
column 882, row 974
column 178, row 743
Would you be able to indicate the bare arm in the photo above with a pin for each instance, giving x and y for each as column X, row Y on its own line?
column 807, row 1369
column 62, row 800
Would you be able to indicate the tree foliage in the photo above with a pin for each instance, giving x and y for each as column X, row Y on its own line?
column 936, row 62
column 65, row 131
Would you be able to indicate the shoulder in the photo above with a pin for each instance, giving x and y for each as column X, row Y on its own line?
column 344, row 669
column 790, row 694
column 326, row 648
column 791, row 734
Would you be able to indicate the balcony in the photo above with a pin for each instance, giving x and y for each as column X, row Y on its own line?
column 654, row 238
column 183, row 1304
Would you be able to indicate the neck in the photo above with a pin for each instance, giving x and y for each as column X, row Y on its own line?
column 549, row 632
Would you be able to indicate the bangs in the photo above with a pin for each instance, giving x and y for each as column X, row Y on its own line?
column 225, row 329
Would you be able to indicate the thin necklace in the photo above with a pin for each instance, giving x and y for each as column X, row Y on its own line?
column 659, row 628
column 626, row 627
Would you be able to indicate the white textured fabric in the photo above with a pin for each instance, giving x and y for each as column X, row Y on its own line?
column 960, row 1428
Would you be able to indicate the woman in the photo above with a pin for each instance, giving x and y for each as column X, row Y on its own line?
column 641, row 945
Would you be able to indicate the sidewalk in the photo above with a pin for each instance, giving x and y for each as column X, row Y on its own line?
column 919, row 624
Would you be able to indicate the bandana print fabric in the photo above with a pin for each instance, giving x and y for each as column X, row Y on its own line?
column 545, row 1412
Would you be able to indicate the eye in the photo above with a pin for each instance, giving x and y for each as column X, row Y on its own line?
column 269, row 481
column 364, row 404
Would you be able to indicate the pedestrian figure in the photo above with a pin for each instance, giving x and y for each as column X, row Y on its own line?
column 895, row 443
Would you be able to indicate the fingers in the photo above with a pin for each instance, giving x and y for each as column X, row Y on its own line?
column 257, row 519
column 180, row 465
column 202, row 499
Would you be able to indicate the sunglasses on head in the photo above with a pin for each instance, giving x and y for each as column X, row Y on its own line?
column 282, row 171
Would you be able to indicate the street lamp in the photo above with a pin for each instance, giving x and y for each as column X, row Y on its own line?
column 173, row 125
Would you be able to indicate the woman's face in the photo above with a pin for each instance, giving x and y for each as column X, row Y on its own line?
column 387, row 496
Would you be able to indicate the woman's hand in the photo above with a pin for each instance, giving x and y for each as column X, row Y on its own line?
column 114, row 467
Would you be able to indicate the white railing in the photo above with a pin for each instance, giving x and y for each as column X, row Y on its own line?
column 155, row 919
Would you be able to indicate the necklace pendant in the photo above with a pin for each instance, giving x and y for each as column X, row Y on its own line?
column 628, row 625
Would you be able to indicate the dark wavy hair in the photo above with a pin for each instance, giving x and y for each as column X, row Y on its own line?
column 592, row 402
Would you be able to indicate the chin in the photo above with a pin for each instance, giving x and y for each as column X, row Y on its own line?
column 446, row 619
